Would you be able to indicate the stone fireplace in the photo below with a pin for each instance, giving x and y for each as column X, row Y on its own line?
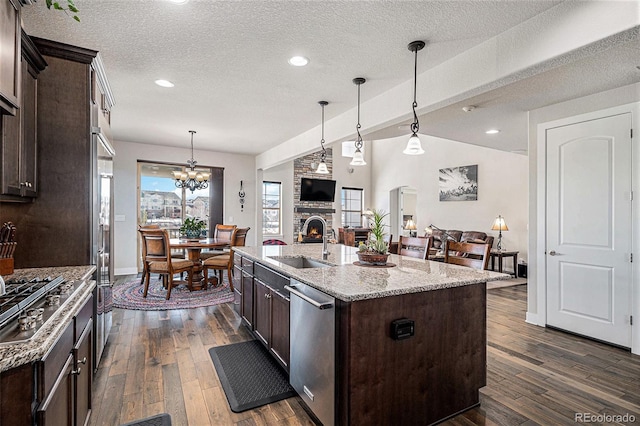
column 305, row 167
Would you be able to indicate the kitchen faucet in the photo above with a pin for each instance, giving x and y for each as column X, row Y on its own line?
column 325, row 250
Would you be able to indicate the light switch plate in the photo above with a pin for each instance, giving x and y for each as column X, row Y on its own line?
column 119, row 218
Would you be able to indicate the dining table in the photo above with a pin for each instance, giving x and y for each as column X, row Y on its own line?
column 194, row 247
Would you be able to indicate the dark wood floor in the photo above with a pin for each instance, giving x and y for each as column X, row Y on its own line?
column 158, row 362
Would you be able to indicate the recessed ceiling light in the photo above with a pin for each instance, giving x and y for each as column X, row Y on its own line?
column 298, row 61
column 468, row 108
column 492, row 131
column 179, row 1
column 164, row 83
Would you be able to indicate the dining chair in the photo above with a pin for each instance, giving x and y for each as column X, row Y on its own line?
column 220, row 263
column 179, row 255
column 241, row 236
column 156, row 258
column 414, row 246
column 473, row 255
column 220, row 233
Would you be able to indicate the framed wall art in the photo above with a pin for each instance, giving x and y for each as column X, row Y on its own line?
column 459, row 183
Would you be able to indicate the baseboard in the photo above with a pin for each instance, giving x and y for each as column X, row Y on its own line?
column 532, row 319
column 126, row 271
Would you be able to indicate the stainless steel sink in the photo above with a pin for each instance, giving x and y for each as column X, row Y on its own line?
column 300, row 262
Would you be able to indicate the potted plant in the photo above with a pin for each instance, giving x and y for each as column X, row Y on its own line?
column 193, row 227
column 376, row 250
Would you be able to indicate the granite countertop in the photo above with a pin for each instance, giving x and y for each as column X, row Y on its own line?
column 349, row 282
column 19, row 353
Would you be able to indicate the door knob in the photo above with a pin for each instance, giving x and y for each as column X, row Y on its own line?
column 552, row 253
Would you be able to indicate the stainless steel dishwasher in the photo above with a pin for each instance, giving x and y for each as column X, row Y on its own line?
column 312, row 365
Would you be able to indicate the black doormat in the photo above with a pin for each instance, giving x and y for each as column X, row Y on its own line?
column 158, row 420
column 249, row 375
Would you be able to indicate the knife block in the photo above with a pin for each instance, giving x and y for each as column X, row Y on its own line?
column 6, row 266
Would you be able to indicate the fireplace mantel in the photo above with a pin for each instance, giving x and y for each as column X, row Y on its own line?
column 313, row 210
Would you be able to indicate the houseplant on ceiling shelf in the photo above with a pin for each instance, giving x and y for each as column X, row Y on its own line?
column 192, row 227
column 376, row 250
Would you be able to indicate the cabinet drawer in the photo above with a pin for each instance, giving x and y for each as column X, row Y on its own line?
column 273, row 279
column 82, row 318
column 247, row 265
column 52, row 362
column 237, row 259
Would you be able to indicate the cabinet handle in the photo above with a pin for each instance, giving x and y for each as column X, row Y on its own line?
column 84, row 361
column 76, row 372
column 267, row 296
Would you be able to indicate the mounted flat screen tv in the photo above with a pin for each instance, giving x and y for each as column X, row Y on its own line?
column 317, row 189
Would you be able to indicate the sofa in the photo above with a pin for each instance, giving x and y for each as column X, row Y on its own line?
column 437, row 243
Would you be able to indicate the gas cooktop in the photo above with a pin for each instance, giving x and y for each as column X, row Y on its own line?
column 26, row 305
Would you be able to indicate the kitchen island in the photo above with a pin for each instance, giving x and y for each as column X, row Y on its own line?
column 428, row 371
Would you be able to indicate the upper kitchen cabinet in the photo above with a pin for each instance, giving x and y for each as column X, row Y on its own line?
column 73, row 95
column 9, row 56
column 19, row 134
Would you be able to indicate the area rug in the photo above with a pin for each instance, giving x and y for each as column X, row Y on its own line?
column 128, row 295
column 249, row 375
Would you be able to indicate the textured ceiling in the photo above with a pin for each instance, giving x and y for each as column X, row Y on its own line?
column 228, row 59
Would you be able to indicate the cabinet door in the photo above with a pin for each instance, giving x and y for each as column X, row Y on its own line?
column 262, row 303
column 237, row 289
column 280, row 327
column 57, row 408
column 19, row 140
column 10, row 52
column 82, row 375
column 28, row 159
column 247, row 298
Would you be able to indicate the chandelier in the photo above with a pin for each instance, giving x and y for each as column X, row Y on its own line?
column 191, row 179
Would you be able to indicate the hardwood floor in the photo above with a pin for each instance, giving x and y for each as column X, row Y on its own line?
column 158, row 362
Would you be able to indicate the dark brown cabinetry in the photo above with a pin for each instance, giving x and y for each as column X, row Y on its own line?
column 73, row 95
column 66, row 392
column 243, row 285
column 18, row 152
column 10, row 54
column 271, row 310
column 55, row 390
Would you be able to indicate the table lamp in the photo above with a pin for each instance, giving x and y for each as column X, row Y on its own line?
column 499, row 225
column 411, row 226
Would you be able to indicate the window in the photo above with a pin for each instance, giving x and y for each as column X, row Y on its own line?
column 161, row 203
column 271, row 217
column 352, row 207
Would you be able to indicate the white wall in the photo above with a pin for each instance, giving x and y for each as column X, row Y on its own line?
column 352, row 177
column 283, row 174
column 236, row 168
column 600, row 101
column 502, row 186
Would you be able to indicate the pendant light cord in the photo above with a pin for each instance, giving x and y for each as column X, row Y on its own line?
column 415, row 126
column 358, row 126
column 324, row 151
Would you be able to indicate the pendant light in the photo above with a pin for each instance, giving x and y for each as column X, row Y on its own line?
column 414, row 147
column 322, row 167
column 358, row 157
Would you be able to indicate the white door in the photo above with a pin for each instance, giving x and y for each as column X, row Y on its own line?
column 589, row 228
